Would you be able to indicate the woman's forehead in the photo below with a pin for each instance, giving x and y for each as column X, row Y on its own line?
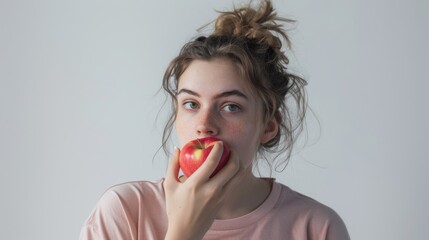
column 219, row 74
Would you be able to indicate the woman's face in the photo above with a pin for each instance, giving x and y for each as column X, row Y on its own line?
column 214, row 100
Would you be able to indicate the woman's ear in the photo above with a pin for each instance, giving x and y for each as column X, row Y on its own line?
column 271, row 129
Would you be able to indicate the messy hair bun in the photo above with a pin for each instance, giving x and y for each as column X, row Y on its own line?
column 251, row 37
column 259, row 25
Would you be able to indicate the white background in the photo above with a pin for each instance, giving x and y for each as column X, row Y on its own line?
column 79, row 105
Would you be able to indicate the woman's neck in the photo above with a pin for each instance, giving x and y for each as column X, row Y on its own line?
column 250, row 194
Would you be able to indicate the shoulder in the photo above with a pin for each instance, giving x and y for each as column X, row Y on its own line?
column 119, row 211
column 303, row 204
column 132, row 194
column 310, row 215
column 136, row 188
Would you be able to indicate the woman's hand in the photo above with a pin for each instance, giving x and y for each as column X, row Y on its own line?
column 192, row 205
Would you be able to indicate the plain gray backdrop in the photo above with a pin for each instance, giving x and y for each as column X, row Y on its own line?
column 79, row 105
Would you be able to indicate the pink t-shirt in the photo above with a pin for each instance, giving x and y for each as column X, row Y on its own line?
column 136, row 211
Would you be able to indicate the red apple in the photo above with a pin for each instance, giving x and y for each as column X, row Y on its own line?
column 195, row 152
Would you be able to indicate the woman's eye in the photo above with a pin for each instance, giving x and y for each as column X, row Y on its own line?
column 231, row 108
column 190, row 105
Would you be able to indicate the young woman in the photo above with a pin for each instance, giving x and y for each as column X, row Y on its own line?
column 232, row 85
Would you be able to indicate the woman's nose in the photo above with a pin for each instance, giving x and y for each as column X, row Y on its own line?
column 207, row 123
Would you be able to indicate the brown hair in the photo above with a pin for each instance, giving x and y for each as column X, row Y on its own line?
column 250, row 37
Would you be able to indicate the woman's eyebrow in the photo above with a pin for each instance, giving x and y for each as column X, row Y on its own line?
column 190, row 92
column 232, row 93
column 221, row 95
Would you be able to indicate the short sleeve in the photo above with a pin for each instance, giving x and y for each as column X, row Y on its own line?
column 110, row 219
column 326, row 224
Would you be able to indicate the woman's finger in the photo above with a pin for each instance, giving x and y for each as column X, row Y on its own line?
column 231, row 169
column 210, row 164
column 173, row 166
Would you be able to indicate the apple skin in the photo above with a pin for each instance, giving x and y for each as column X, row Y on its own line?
column 195, row 153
